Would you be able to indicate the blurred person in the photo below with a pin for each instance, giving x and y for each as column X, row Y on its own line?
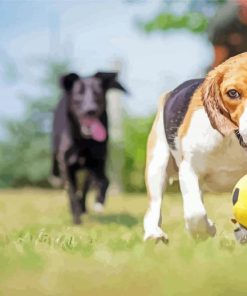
column 228, row 31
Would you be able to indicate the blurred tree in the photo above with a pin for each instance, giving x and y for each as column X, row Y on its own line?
column 25, row 152
column 136, row 131
column 8, row 68
column 192, row 15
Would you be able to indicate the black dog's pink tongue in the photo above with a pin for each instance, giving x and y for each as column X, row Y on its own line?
column 98, row 131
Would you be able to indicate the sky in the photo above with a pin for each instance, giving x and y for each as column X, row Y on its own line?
column 96, row 35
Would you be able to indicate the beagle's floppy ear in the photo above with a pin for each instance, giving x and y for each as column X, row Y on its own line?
column 109, row 80
column 218, row 115
column 67, row 81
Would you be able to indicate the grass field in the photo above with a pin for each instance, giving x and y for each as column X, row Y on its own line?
column 41, row 253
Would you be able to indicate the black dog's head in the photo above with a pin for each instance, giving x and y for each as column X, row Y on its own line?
column 87, row 101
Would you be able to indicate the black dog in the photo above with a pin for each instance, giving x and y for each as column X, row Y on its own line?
column 80, row 135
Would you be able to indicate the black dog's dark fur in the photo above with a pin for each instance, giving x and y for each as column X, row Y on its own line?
column 73, row 150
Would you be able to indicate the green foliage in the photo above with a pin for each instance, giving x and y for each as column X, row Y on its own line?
column 192, row 21
column 25, row 153
column 136, row 131
column 194, row 16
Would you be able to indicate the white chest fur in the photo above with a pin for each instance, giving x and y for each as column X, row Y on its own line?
column 218, row 161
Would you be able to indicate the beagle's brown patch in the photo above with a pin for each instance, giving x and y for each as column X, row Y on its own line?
column 195, row 104
column 153, row 135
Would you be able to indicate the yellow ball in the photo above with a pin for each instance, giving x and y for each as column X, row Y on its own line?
column 239, row 200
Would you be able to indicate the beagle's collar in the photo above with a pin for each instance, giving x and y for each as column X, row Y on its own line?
column 240, row 139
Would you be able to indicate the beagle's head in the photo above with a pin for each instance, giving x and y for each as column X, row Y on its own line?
column 224, row 94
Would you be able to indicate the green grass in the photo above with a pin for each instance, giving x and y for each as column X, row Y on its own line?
column 41, row 253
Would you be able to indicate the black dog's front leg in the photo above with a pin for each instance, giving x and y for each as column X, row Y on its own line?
column 73, row 196
column 103, row 184
column 86, row 186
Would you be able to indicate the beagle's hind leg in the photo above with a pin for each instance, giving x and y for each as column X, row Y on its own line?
column 158, row 155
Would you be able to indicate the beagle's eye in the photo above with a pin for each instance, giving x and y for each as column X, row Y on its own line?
column 233, row 94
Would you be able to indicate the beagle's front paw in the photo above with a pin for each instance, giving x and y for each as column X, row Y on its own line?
column 156, row 234
column 200, row 227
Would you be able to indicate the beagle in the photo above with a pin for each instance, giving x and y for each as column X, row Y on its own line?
column 200, row 136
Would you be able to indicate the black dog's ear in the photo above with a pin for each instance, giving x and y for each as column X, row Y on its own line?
column 67, row 81
column 109, row 80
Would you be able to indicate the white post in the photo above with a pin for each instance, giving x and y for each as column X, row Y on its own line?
column 115, row 113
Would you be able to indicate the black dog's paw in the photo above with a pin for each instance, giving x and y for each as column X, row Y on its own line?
column 77, row 220
column 84, row 211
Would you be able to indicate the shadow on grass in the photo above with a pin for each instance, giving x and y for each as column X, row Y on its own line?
column 121, row 219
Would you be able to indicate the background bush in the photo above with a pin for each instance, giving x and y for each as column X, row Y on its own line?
column 25, row 152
